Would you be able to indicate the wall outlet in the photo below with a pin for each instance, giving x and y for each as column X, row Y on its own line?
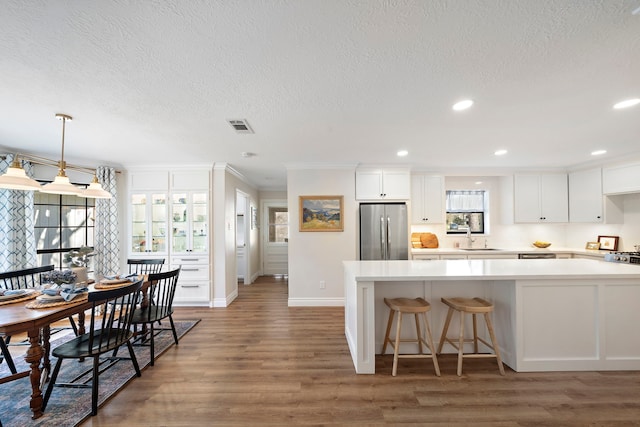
column 322, row 284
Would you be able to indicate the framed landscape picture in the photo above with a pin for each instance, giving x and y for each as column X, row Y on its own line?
column 321, row 213
column 609, row 243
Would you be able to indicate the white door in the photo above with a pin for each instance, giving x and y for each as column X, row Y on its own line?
column 275, row 237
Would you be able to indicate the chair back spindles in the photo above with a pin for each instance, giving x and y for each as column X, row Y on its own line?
column 23, row 279
column 145, row 266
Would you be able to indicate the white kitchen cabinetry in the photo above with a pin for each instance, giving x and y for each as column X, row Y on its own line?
column 587, row 204
column 541, row 198
column 424, row 257
column 621, row 179
column 169, row 217
column 383, row 184
column 493, row 256
column 193, row 282
column 427, row 199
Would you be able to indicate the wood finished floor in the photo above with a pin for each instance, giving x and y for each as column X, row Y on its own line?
column 259, row 362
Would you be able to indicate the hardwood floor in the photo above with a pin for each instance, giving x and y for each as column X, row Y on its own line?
column 259, row 362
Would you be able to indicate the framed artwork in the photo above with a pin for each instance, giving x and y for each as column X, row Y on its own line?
column 609, row 243
column 593, row 245
column 321, row 213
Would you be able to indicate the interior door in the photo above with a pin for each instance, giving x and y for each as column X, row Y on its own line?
column 275, row 238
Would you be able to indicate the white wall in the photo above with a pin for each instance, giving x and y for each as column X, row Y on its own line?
column 318, row 256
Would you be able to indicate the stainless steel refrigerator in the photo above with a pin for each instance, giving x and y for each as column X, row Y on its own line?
column 383, row 231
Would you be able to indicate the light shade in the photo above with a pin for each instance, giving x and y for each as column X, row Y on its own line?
column 16, row 179
column 95, row 191
column 61, row 185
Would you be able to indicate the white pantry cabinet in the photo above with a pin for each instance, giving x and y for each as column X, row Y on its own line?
column 427, row 199
column 587, row 204
column 383, row 184
column 541, row 198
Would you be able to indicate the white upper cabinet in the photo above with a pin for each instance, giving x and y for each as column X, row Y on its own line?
column 427, row 199
column 383, row 184
column 541, row 198
column 621, row 179
column 190, row 180
column 587, row 204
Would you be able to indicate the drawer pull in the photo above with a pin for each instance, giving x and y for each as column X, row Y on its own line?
column 188, row 259
column 190, row 269
column 189, row 286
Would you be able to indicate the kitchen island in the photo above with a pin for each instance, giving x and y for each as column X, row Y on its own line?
column 550, row 314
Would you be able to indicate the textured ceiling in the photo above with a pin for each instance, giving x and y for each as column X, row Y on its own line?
column 321, row 82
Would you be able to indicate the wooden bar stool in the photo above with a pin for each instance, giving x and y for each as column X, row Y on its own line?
column 417, row 306
column 472, row 306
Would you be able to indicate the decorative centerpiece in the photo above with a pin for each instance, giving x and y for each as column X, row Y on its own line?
column 78, row 260
column 540, row 244
column 59, row 277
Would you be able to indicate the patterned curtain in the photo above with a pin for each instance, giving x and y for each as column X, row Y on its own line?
column 107, row 245
column 17, row 232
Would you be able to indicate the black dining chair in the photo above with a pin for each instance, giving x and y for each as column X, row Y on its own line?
column 145, row 266
column 12, row 280
column 109, row 328
column 162, row 289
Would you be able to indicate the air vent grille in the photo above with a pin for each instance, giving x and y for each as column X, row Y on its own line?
column 240, row 125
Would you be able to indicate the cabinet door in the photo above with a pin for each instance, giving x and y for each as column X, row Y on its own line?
column 585, row 196
column 148, row 223
column 189, row 222
column 527, row 198
column 554, row 198
column 369, row 185
column 427, row 195
column 396, row 184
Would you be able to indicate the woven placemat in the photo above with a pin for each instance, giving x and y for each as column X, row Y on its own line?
column 103, row 286
column 39, row 304
column 24, row 297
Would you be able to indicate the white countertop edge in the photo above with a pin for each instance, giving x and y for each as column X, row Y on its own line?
column 520, row 250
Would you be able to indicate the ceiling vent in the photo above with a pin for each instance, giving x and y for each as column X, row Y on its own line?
column 240, row 125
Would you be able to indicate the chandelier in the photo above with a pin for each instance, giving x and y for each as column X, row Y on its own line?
column 16, row 178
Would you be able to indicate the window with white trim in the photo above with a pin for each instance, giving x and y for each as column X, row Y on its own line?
column 467, row 209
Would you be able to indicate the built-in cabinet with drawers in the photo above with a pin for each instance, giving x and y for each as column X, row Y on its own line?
column 383, row 184
column 541, row 198
column 427, row 199
column 170, row 219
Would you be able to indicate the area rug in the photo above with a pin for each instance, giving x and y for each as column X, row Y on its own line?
column 71, row 406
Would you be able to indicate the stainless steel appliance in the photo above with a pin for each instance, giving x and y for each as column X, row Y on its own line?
column 383, row 231
column 624, row 257
column 536, row 256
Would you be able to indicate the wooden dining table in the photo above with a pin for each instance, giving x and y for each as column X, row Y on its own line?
column 16, row 318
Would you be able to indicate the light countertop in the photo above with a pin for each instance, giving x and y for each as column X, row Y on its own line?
column 511, row 250
column 489, row 269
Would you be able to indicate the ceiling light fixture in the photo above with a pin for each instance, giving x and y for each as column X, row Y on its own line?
column 402, row 153
column 627, row 103
column 598, row 152
column 500, row 152
column 462, row 105
column 16, row 179
column 61, row 183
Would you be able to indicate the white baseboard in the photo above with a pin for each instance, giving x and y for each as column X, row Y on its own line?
column 315, row 302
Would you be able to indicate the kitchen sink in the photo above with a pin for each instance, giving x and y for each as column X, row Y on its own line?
column 480, row 249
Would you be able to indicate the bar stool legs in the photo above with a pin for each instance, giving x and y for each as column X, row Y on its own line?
column 417, row 307
column 471, row 306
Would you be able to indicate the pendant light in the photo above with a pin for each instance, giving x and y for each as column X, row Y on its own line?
column 15, row 178
column 61, row 183
column 95, row 190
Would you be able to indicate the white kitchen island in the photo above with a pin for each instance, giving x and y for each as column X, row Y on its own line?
column 550, row 314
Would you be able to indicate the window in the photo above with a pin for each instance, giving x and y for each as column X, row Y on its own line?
column 62, row 223
column 466, row 209
column 278, row 225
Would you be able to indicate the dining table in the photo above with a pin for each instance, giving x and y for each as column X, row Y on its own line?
column 17, row 318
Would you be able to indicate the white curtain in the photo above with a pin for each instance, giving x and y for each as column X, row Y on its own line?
column 465, row 201
column 107, row 245
column 17, row 232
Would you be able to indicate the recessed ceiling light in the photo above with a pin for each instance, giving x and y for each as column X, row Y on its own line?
column 500, row 152
column 402, row 153
column 626, row 104
column 247, row 154
column 598, row 152
column 462, row 105
column 478, row 182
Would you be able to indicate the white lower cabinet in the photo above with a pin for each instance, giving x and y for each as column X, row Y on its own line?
column 193, row 282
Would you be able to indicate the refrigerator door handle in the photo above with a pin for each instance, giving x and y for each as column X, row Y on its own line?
column 383, row 243
column 388, row 245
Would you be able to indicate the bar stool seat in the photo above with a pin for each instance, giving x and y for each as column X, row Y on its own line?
column 471, row 306
column 417, row 307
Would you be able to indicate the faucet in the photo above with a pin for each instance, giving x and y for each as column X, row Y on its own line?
column 469, row 239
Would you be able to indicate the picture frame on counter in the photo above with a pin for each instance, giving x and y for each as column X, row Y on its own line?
column 321, row 213
column 608, row 243
column 592, row 245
